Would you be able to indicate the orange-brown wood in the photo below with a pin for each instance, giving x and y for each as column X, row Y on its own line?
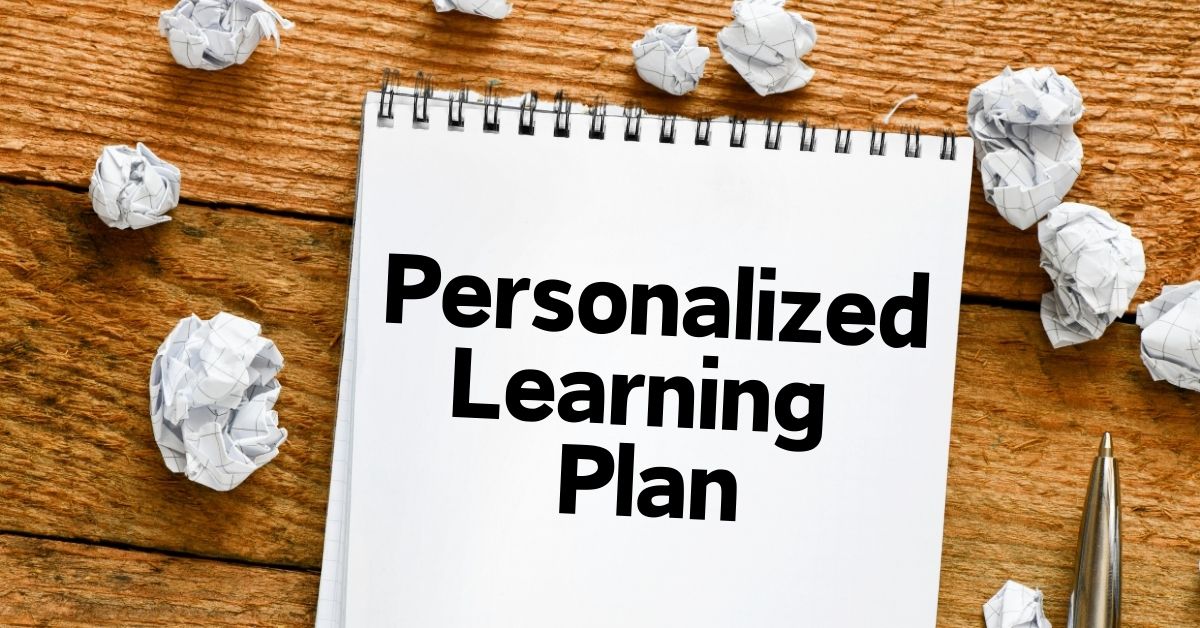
column 83, row 311
column 52, row 583
column 84, row 307
column 281, row 132
column 268, row 153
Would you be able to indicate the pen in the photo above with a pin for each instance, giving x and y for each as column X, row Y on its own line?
column 1096, row 600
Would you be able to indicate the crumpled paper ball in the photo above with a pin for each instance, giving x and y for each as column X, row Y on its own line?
column 1171, row 335
column 1096, row 265
column 132, row 188
column 495, row 9
column 1015, row 606
column 764, row 44
column 670, row 58
column 212, row 390
column 1025, row 141
column 215, row 34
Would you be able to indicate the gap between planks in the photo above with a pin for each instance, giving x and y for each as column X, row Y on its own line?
column 215, row 205
column 966, row 299
column 129, row 547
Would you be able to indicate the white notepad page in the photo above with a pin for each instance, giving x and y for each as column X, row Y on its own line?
column 455, row 521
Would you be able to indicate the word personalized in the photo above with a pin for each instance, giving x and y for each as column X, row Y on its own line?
column 754, row 313
column 467, row 301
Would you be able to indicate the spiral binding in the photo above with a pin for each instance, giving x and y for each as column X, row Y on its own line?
column 912, row 141
column 808, row 137
column 703, row 131
column 633, row 114
column 737, row 134
column 595, row 113
column 878, row 142
column 774, row 130
column 455, row 119
column 562, row 115
column 528, row 107
column 841, row 143
column 666, row 132
column 491, row 110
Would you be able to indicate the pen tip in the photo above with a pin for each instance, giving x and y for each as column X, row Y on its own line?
column 1106, row 445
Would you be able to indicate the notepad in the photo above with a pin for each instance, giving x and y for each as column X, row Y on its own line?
column 606, row 368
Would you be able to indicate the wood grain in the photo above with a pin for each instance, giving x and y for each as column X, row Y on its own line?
column 82, row 309
column 280, row 133
column 1027, row 422
column 52, row 583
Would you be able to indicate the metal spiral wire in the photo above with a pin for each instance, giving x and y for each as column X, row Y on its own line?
column 633, row 114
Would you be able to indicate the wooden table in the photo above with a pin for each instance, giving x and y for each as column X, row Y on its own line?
column 95, row 530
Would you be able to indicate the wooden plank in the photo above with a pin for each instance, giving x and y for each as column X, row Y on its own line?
column 83, row 308
column 52, row 583
column 1027, row 422
column 281, row 132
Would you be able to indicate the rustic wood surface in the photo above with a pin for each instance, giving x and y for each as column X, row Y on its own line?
column 49, row 582
column 281, row 132
column 95, row 530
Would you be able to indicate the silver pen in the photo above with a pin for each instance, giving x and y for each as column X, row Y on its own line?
column 1096, row 600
